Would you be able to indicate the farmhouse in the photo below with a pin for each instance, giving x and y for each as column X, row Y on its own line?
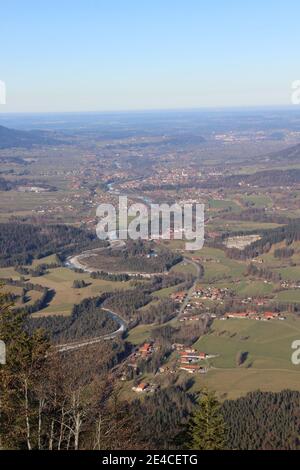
column 178, row 346
column 142, row 387
column 193, row 368
column 146, row 349
column 238, row 315
column 270, row 315
column 178, row 296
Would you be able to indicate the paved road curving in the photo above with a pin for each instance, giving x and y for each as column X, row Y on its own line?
column 83, row 343
column 191, row 290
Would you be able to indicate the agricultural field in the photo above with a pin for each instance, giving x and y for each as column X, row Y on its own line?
column 166, row 292
column 184, row 267
column 257, row 200
column 31, row 295
column 221, row 204
column 251, row 288
column 61, row 281
column 234, row 383
column 139, row 334
column 289, row 295
column 267, row 348
column 217, row 266
column 268, row 343
column 240, row 225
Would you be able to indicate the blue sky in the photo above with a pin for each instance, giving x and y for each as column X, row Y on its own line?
column 93, row 55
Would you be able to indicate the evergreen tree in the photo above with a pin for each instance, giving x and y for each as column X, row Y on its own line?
column 207, row 429
column 25, row 356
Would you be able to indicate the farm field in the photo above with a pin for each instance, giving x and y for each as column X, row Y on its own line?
column 290, row 273
column 268, row 344
column 236, row 226
column 10, row 272
column 166, row 292
column 258, row 200
column 31, row 295
column 139, row 334
column 234, row 383
column 11, row 201
column 288, row 268
column 184, row 267
column 223, row 204
column 289, row 295
column 61, row 280
column 268, row 364
column 253, row 288
column 217, row 266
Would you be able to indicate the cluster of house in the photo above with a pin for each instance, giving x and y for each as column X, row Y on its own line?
column 259, row 302
column 152, row 254
column 190, row 318
column 179, row 296
column 290, row 285
column 264, row 316
column 142, row 352
column 32, row 189
column 190, row 360
column 145, row 387
column 145, row 350
column 192, row 309
column 212, row 293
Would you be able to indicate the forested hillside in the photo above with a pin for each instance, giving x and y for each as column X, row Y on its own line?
column 87, row 320
column 21, row 243
column 263, row 420
column 15, row 138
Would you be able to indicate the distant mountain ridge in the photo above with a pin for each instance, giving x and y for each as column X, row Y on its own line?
column 10, row 138
column 290, row 153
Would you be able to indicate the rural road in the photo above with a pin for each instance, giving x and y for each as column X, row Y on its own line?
column 122, row 324
column 83, row 343
column 191, row 290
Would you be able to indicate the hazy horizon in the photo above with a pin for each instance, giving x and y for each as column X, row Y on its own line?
column 106, row 57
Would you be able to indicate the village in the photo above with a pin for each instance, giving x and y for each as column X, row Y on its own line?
column 187, row 359
column 264, row 316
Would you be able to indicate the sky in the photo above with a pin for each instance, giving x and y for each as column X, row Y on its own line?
column 103, row 55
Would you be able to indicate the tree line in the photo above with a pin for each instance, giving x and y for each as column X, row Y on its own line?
column 87, row 320
column 20, row 243
column 71, row 401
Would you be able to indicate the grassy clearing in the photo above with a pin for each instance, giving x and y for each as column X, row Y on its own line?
column 220, row 204
column 268, row 344
column 184, row 267
column 291, row 273
column 235, row 383
column 166, row 292
column 140, row 334
column 289, row 295
column 234, row 225
column 217, row 266
column 250, row 288
column 51, row 259
column 11, row 201
column 61, row 280
column 268, row 366
column 6, row 273
column 247, row 287
column 258, row 200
